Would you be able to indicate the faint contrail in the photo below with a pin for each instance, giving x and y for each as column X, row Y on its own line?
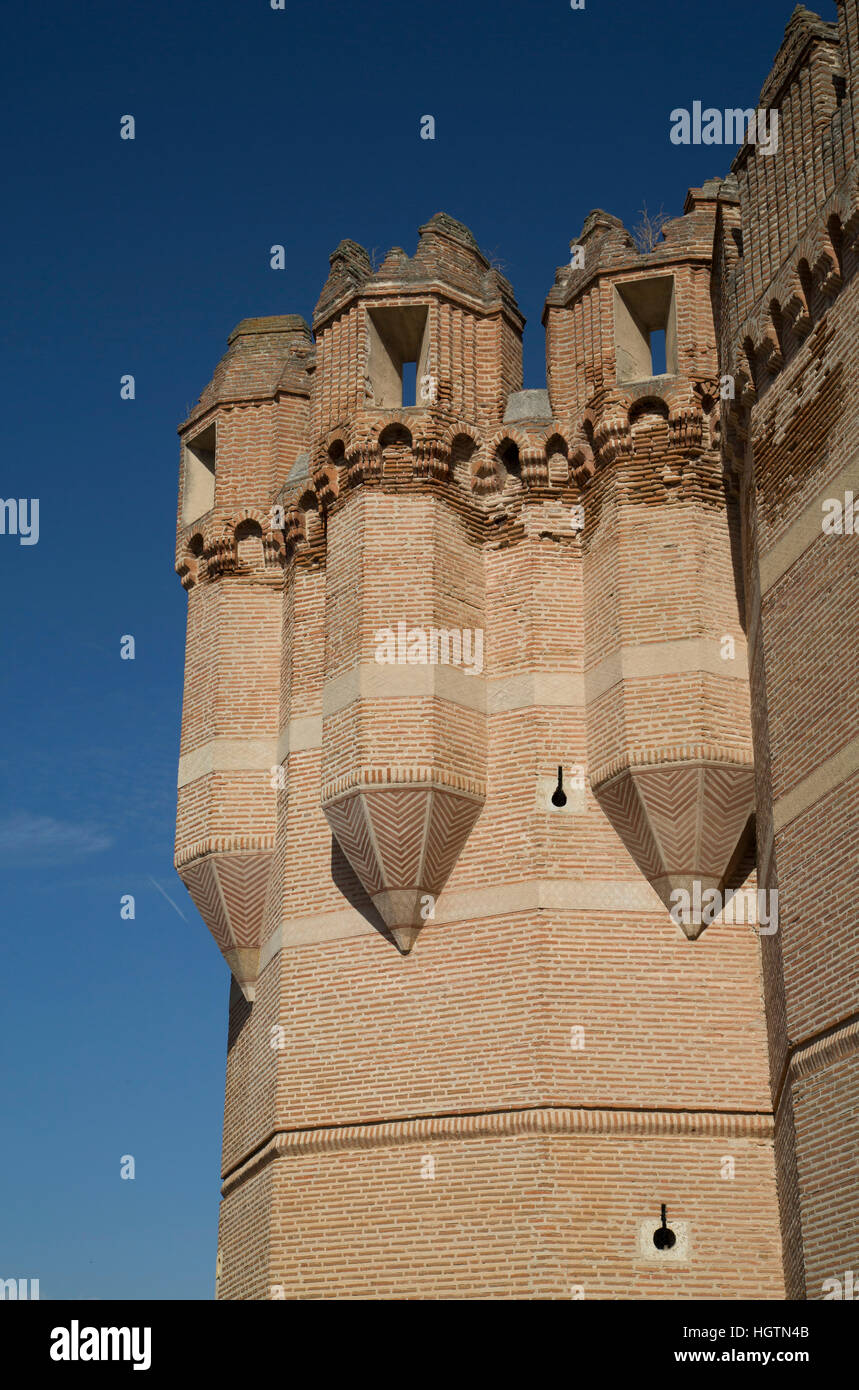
column 169, row 899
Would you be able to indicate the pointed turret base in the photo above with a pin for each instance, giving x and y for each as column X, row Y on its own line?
column 402, row 842
column 681, row 822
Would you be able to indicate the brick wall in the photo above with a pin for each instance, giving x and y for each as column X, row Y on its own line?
column 493, row 1099
column 789, row 331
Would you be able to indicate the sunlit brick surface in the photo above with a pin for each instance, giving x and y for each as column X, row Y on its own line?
column 470, row 1050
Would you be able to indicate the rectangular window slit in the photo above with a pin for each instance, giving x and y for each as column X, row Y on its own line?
column 657, row 352
column 410, row 380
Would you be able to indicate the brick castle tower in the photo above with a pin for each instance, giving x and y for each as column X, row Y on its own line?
column 482, row 683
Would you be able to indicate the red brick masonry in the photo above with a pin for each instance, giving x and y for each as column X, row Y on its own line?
column 471, row 1050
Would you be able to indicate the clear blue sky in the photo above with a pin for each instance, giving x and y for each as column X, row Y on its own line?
column 253, row 127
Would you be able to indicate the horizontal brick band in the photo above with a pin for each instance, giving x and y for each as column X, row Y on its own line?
column 821, row 1052
column 702, row 1124
column 223, row 844
column 250, row 754
column 421, row 775
column 541, row 689
column 677, row 753
column 301, row 733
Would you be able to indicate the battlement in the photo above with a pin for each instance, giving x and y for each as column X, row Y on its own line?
column 265, row 356
column 447, row 256
column 789, row 192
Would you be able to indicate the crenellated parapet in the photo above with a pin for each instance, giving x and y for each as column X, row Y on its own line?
column 445, row 309
column 606, row 305
column 781, row 264
column 811, row 148
column 760, row 345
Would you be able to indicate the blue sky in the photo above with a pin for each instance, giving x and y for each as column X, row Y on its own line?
column 253, row 127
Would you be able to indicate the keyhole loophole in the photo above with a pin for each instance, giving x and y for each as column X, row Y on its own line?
column 559, row 796
column 663, row 1236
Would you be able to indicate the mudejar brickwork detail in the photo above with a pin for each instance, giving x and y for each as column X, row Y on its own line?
column 481, row 682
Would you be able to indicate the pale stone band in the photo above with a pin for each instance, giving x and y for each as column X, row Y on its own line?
column 825, row 778
column 807, row 527
column 495, row 695
column 474, row 904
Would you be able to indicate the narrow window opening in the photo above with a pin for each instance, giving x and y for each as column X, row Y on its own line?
column 658, row 359
column 399, row 351
column 645, row 327
column 410, row 383
column 658, row 352
column 199, row 485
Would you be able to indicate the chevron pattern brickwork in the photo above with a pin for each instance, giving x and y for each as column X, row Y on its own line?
column 229, row 891
column 402, row 843
column 681, row 821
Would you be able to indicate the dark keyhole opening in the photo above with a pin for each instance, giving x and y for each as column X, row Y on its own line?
column 663, row 1236
column 559, row 796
